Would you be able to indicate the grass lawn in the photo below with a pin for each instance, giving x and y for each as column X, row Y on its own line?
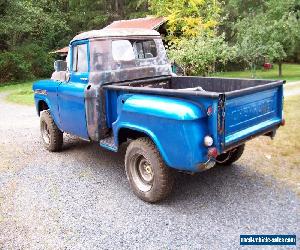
column 291, row 72
column 19, row 92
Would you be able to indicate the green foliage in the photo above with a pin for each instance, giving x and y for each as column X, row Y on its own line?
column 198, row 55
column 271, row 33
column 13, row 66
column 31, row 29
column 25, row 62
column 192, row 38
column 187, row 18
column 255, row 30
column 27, row 21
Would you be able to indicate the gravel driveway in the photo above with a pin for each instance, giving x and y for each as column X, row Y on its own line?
column 80, row 199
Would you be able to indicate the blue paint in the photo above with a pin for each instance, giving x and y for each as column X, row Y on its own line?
column 164, row 107
column 71, row 100
column 235, row 137
column 179, row 142
column 246, row 116
column 51, row 97
column 176, row 126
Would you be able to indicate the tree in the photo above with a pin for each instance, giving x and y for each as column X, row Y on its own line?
column 187, row 18
column 284, row 29
column 235, row 10
column 272, row 33
column 192, row 33
column 30, row 29
column 198, row 55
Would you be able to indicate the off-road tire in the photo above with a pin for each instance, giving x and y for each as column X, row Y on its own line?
column 226, row 159
column 162, row 178
column 55, row 135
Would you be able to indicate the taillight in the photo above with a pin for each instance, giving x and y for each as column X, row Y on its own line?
column 282, row 122
column 209, row 110
column 212, row 152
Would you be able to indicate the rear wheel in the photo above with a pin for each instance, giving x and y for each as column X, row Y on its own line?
column 231, row 156
column 51, row 135
column 148, row 176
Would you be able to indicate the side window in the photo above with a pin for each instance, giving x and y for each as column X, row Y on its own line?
column 74, row 58
column 145, row 49
column 80, row 58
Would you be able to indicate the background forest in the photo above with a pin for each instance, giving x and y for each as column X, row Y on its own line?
column 204, row 36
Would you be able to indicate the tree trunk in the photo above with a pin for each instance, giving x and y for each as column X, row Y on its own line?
column 280, row 69
column 117, row 6
column 253, row 69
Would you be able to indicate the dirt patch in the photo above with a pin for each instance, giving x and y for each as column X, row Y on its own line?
column 280, row 157
column 266, row 159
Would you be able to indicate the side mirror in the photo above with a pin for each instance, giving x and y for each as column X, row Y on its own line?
column 60, row 65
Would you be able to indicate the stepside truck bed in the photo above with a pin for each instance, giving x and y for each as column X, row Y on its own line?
column 245, row 108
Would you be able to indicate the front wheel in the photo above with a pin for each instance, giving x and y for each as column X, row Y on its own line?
column 51, row 135
column 148, row 176
column 231, row 156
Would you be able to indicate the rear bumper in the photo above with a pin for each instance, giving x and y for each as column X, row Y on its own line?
column 247, row 134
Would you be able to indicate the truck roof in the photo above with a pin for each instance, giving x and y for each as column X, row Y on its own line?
column 115, row 32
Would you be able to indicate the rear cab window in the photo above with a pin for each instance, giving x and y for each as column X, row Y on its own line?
column 129, row 50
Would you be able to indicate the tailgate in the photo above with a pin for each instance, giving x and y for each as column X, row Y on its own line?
column 252, row 114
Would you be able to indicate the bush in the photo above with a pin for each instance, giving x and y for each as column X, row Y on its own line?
column 201, row 54
column 26, row 62
column 13, row 66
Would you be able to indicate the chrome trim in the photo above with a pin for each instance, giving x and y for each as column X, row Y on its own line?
column 40, row 92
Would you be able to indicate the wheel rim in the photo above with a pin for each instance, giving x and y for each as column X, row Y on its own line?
column 45, row 132
column 142, row 172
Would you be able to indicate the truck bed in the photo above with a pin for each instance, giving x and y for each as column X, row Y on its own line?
column 196, row 86
column 244, row 108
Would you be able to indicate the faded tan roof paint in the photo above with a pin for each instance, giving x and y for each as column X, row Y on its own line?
column 64, row 50
column 138, row 23
column 115, row 32
column 145, row 23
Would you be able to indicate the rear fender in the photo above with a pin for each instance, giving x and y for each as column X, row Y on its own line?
column 176, row 126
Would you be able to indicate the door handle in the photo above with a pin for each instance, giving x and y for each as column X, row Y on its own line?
column 84, row 79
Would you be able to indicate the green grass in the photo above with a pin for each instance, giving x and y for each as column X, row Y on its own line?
column 291, row 72
column 19, row 92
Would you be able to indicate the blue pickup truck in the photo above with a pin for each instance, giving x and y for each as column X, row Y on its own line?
column 116, row 86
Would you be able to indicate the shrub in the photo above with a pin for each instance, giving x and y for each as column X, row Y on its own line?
column 25, row 62
column 13, row 66
column 201, row 54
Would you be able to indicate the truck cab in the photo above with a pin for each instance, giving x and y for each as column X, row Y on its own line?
column 117, row 87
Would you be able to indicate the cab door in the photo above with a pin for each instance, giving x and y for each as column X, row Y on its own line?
column 71, row 93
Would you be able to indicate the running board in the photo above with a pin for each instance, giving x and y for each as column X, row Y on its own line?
column 109, row 143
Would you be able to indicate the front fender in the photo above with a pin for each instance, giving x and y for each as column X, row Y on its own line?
column 46, row 91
